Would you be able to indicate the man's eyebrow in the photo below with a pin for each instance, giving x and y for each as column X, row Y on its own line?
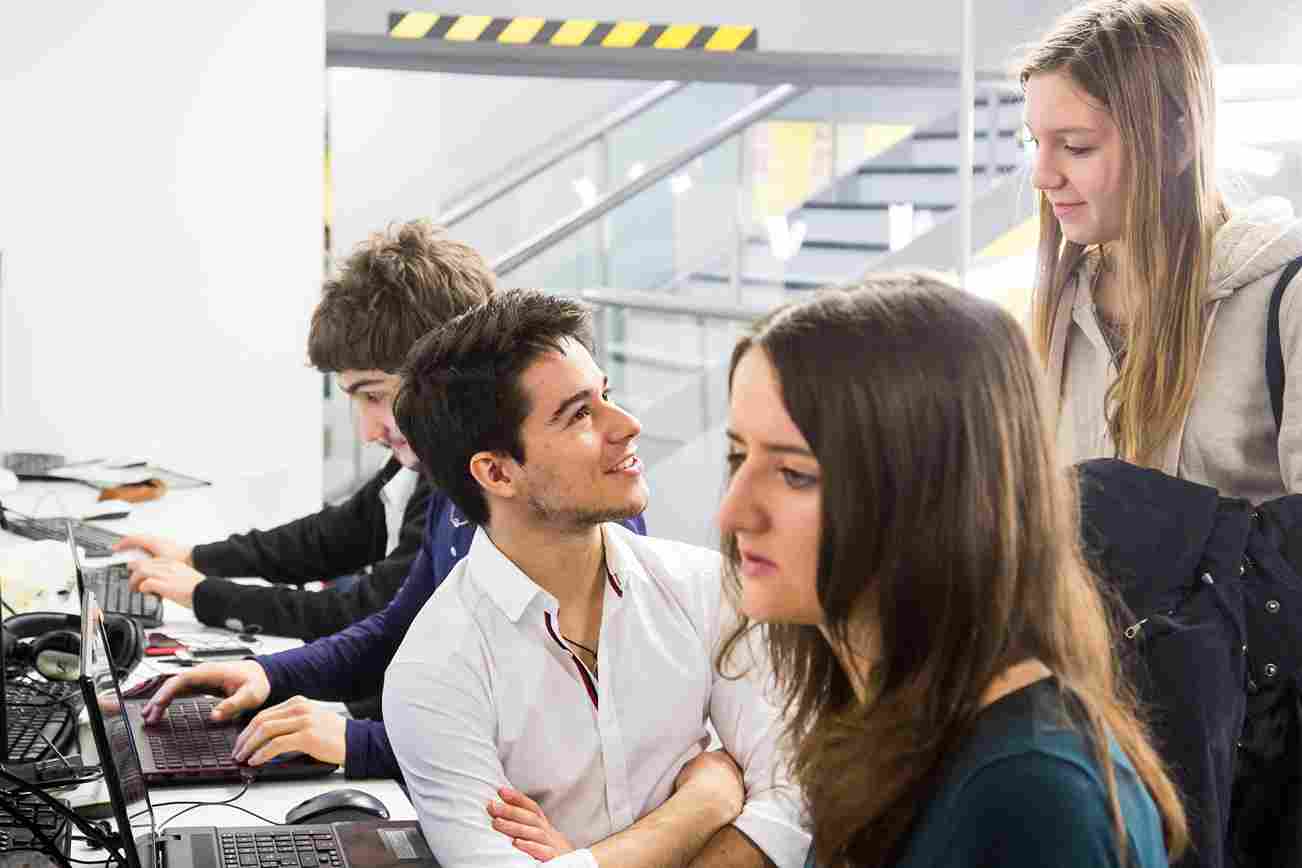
column 361, row 384
column 572, row 399
column 770, row 446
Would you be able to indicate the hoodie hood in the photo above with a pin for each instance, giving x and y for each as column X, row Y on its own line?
column 1256, row 241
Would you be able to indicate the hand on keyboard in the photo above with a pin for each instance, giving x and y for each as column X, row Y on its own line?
column 298, row 724
column 171, row 580
column 244, row 684
column 157, row 547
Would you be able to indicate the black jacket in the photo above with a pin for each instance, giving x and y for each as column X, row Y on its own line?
column 335, row 541
column 1212, row 619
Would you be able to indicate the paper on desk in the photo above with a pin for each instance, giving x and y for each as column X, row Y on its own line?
column 101, row 475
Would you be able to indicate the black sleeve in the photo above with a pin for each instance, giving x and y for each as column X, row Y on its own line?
column 309, row 615
column 336, row 540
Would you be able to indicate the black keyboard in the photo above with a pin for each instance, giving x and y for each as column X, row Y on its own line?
column 14, row 835
column 32, row 463
column 186, row 739
column 110, row 587
column 284, row 849
column 34, row 709
column 97, row 542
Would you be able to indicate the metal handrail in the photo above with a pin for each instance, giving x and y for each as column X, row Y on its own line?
column 512, row 178
column 761, row 108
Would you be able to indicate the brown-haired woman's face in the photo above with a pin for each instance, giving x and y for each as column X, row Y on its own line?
column 1079, row 159
column 773, row 504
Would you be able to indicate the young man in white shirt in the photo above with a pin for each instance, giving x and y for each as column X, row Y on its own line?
column 551, row 701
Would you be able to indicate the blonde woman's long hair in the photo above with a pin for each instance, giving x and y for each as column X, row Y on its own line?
column 1148, row 63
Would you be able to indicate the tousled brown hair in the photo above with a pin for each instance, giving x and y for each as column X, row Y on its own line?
column 1148, row 64
column 950, row 535
column 397, row 285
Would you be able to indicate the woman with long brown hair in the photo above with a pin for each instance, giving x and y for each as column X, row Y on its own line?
column 897, row 517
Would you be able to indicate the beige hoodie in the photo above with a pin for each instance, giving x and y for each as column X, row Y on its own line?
column 1227, row 438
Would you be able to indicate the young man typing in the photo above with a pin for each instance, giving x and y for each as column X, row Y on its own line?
column 396, row 286
column 567, row 667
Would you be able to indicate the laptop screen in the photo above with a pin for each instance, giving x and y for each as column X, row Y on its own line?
column 124, row 776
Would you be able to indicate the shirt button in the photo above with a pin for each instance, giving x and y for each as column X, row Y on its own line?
column 1208, row 580
column 1241, row 569
column 1272, row 606
column 1270, row 670
column 454, row 551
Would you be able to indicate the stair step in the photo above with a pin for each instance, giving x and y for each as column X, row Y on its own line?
column 952, row 135
column 937, row 169
column 830, row 244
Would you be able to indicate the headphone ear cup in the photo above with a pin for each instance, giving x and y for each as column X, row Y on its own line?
column 58, row 655
column 20, row 656
column 126, row 640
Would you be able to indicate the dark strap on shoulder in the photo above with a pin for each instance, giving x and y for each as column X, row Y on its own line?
column 1274, row 353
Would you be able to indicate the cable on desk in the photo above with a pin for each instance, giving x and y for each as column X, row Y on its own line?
column 86, row 827
column 225, row 803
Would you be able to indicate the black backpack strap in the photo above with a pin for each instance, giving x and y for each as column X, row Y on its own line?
column 1274, row 354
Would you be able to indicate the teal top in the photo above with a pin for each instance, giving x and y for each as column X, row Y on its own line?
column 1025, row 791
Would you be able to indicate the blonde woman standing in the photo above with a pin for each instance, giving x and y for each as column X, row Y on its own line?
column 1150, row 311
column 1151, row 300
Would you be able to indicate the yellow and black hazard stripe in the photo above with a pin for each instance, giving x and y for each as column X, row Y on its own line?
column 571, row 32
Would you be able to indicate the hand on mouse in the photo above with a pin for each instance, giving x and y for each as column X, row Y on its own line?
column 297, row 724
column 244, row 683
column 171, row 580
column 523, row 821
column 156, row 547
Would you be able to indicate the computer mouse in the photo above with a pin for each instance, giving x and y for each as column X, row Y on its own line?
column 338, row 806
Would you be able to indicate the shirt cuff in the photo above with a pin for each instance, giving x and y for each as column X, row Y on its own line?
column 574, row 859
column 785, row 844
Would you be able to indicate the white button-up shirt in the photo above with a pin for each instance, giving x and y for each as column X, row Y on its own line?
column 395, row 496
column 483, row 694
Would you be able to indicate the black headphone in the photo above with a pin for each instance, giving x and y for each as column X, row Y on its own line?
column 50, row 643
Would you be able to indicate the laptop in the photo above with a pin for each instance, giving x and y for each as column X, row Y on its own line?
column 369, row 844
column 187, row 747
column 111, row 588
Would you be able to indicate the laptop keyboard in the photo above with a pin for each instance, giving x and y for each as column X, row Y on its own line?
column 186, row 739
column 97, row 542
column 33, row 710
column 288, row 849
column 14, row 835
column 111, row 589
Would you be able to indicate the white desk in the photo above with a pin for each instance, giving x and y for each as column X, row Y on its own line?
column 193, row 515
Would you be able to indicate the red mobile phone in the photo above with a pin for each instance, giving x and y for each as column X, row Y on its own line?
column 161, row 645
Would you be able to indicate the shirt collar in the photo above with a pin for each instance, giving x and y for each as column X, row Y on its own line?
column 397, row 491
column 512, row 591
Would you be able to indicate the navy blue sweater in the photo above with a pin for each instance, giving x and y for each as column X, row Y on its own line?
column 350, row 664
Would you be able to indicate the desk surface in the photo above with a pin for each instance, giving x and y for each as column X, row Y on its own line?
column 191, row 515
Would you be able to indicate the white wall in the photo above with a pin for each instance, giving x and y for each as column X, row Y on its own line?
column 160, row 223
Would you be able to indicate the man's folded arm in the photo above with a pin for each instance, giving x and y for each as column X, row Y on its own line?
column 745, row 714
column 440, row 724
